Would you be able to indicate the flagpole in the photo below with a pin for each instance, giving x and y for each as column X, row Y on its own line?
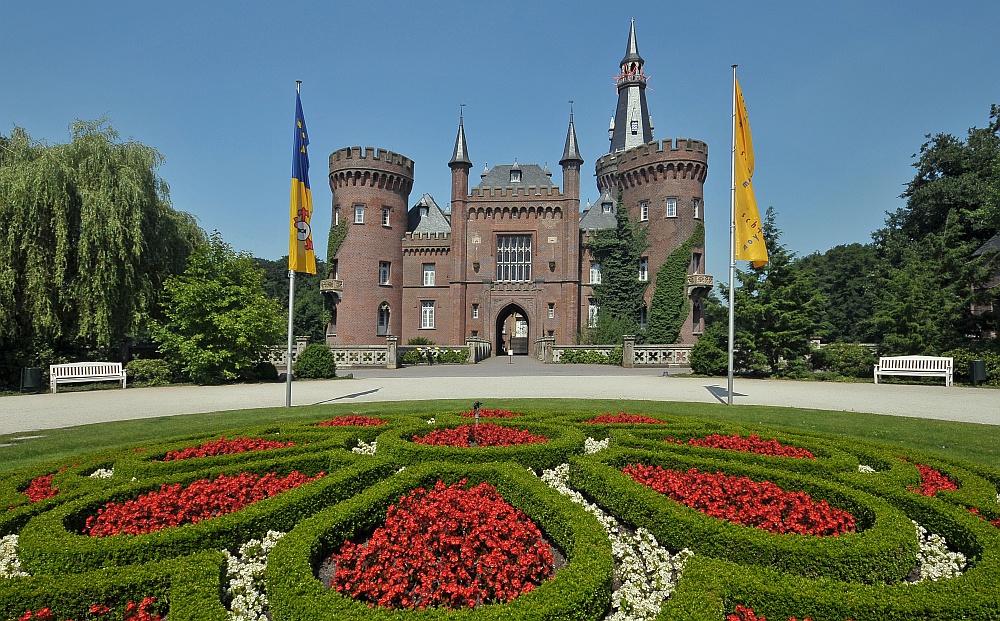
column 732, row 247
column 291, row 314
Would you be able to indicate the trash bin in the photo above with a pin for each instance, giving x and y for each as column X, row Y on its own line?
column 31, row 378
column 977, row 371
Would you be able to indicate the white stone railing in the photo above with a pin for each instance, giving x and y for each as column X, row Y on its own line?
column 662, row 355
column 347, row 356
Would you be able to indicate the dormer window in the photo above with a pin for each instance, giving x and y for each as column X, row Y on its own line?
column 606, row 207
column 515, row 175
column 423, row 212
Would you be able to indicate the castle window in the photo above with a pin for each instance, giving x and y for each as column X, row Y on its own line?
column 514, row 258
column 671, row 207
column 644, row 269
column 515, row 176
column 385, row 216
column 695, row 262
column 697, row 207
column 592, row 311
column 359, row 214
column 382, row 327
column 475, row 312
column 383, row 272
column 335, row 268
column 606, row 207
column 595, row 273
column 423, row 211
column 428, row 274
column 552, row 310
column 635, row 127
column 644, row 211
column 643, row 318
column 336, row 215
column 427, row 314
column 331, row 328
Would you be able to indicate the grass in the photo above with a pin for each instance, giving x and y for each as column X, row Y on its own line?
column 963, row 441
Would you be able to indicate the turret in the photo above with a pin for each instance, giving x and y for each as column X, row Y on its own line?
column 632, row 125
column 571, row 162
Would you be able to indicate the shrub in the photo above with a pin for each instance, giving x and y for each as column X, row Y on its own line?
column 591, row 356
column 709, row 355
column 846, row 359
column 149, row 372
column 316, row 362
column 262, row 371
column 963, row 356
column 420, row 340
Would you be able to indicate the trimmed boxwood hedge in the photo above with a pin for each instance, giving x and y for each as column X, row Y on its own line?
column 854, row 576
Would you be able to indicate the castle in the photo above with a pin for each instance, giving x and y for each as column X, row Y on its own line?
column 509, row 261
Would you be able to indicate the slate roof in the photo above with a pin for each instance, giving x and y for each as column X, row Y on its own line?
column 990, row 247
column 499, row 177
column 596, row 218
column 434, row 222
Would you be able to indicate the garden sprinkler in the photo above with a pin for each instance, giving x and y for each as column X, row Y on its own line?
column 475, row 408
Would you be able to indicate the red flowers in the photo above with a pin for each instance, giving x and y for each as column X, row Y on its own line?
column 201, row 500
column 975, row 511
column 623, row 418
column 931, row 481
column 746, row 614
column 743, row 501
column 133, row 612
column 488, row 413
column 486, row 434
column 351, row 421
column 451, row 547
column 222, row 446
column 753, row 444
column 40, row 488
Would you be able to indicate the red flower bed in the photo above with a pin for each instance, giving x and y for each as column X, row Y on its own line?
column 40, row 488
column 623, row 418
column 133, row 612
column 975, row 511
column 173, row 505
column 450, row 547
column 222, row 446
column 486, row 434
column 746, row 614
column 743, row 501
column 931, row 481
column 351, row 421
column 753, row 444
column 488, row 413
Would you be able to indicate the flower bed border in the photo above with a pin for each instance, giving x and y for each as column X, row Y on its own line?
column 580, row 590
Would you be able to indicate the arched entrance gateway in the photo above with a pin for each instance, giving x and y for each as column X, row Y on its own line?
column 511, row 331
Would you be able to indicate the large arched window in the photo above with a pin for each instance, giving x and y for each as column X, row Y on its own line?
column 383, row 319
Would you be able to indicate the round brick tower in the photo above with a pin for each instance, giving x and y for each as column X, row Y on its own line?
column 371, row 190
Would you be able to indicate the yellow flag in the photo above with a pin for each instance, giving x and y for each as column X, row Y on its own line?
column 301, row 255
column 749, row 236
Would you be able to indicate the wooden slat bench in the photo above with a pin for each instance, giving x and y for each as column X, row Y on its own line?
column 75, row 372
column 916, row 366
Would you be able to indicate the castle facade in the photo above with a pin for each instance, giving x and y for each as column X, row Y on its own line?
column 508, row 262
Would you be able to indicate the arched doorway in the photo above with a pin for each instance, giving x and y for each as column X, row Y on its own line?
column 511, row 331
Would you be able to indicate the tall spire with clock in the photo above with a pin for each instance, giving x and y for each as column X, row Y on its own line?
column 632, row 125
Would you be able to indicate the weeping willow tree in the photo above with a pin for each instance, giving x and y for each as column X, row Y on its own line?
column 87, row 238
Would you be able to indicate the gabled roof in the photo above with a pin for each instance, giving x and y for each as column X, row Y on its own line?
column 595, row 218
column 434, row 222
column 499, row 177
column 990, row 247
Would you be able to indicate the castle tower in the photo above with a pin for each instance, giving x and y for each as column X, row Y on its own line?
column 460, row 165
column 371, row 190
column 632, row 125
column 662, row 186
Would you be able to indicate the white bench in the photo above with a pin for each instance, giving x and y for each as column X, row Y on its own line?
column 917, row 366
column 85, row 372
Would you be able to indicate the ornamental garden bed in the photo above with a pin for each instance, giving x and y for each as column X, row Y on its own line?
column 564, row 518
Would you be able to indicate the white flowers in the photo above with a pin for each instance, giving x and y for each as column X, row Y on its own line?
column 10, row 565
column 591, row 446
column 245, row 572
column 647, row 572
column 363, row 448
column 865, row 469
column 936, row 561
column 102, row 473
column 430, row 421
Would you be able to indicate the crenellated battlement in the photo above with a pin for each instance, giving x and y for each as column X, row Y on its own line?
column 428, row 235
column 368, row 157
column 515, row 192
column 684, row 158
column 371, row 167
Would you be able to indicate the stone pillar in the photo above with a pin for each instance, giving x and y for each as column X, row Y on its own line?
column 473, row 348
column 390, row 354
column 628, row 351
column 547, row 343
column 301, row 342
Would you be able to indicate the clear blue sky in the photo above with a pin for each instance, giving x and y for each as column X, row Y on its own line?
column 839, row 94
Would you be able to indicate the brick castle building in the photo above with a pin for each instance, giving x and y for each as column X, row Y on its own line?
column 508, row 261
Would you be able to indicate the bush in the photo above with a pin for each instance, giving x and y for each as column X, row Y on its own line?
column 709, row 356
column 316, row 362
column 263, row 371
column 149, row 372
column 963, row 356
column 592, row 356
column 846, row 359
column 420, row 340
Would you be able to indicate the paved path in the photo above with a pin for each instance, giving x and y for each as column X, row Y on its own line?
column 495, row 379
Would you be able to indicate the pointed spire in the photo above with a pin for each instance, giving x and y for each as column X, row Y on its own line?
column 632, row 49
column 571, row 153
column 461, row 155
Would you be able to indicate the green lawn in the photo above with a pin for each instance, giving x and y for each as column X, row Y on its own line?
column 966, row 441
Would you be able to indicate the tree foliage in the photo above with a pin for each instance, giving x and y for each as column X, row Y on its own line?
column 670, row 304
column 87, row 237
column 844, row 275
column 311, row 310
column 620, row 296
column 219, row 320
